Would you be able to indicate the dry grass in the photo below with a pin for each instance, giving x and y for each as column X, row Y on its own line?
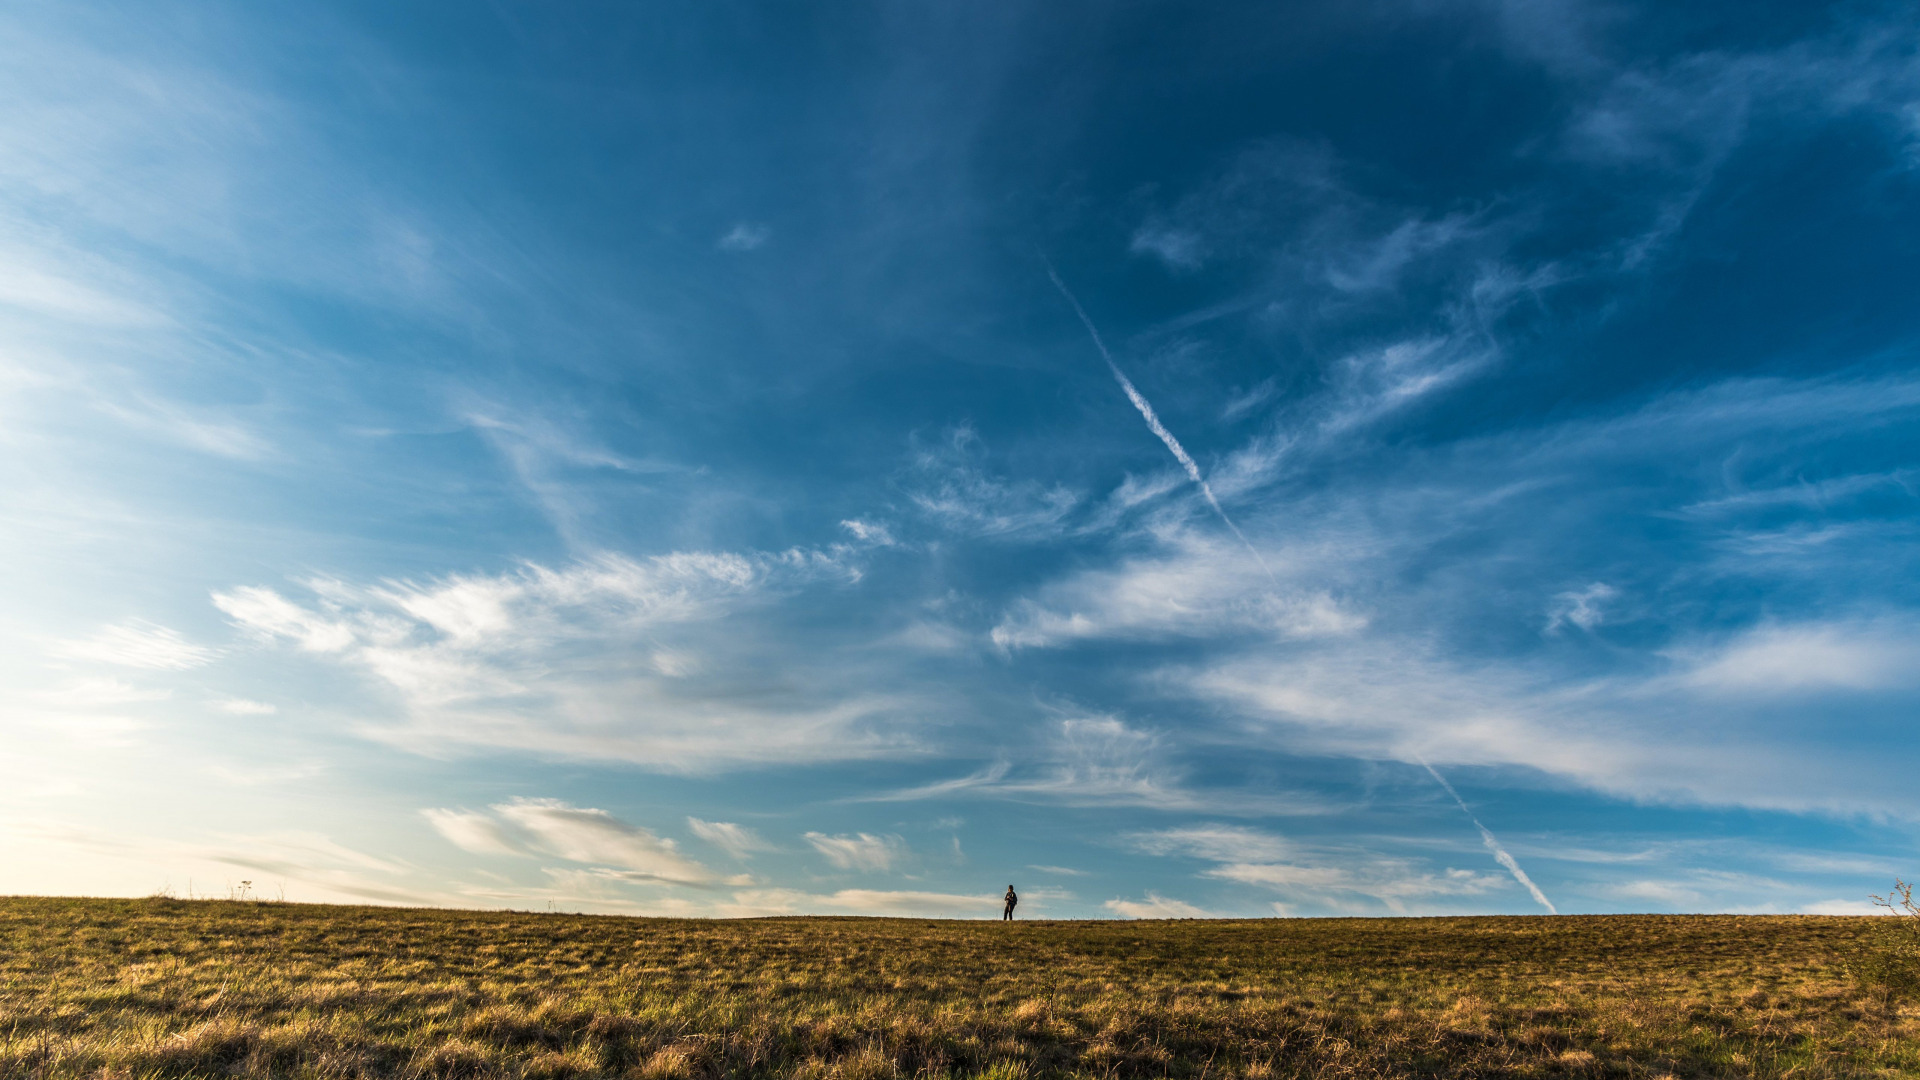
column 150, row 988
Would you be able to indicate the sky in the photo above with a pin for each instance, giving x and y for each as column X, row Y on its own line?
column 706, row 458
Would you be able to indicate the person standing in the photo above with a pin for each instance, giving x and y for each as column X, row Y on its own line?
column 1013, row 900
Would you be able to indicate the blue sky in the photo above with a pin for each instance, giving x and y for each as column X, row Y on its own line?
column 636, row 458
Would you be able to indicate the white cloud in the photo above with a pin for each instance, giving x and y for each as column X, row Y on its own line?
column 470, row 830
column 1373, row 383
column 47, row 291
column 1333, row 878
column 861, row 851
column 88, row 693
column 1201, row 587
column 139, row 644
column 613, row 852
column 1179, row 249
column 1377, row 263
column 871, row 532
column 1810, row 657
column 1671, row 894
column 310, row 865
column 270, row 614
column 244, row 707
column 745, row 236
column 586, row 835
column 962, row 496
column 1156, row 906
column 545, row 452
column 1221, row 843
column 736, row 840
column 544, row 660
column 1642, row 736
column 1101, row 761
column 194, row 428
column 859, row 902
column 253, row 774
column 1843, row 907
column 1580, row 607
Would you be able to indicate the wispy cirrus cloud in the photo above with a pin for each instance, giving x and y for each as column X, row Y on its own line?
column 578, row 834
column 609, row 656
column 1326, row 879
column 1156, row 906
column 953, row 487
column 1772, row 658
column 304, row 864
column 137, row 644
column 745, row 236
column 738, row 841
column 1103, row 761
column 756, row 902
column 472, row 831
column 860, row 851
column 1193, row 586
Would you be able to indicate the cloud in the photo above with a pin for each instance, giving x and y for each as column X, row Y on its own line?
column 1156, row 906
column 953, row 488
column 244, row 707
column 472, row 831
column 861, row 851
column 1179, row 249
column 736, row 840
column 1493, row 845
column 1154, row 425
column 1436, row 563
column 1580, row 607
column 1338, row 879
column 859, row 902
column 1843, row 907
column 1064, row 871
column 138, row 644
column 188, row 427
column 311, row 865
column 1373, row 383
column 612, row 849
column 88, row 693
column 745, row 236
column 1220, row 843
column 1101, row 761
column 1196, row 587
column 50, row 292
column 269, row 614
column 544, row 660
column 1808, row 657
column 1668, row 893
column 548, row 454
column 871, row 532
column 586, row 835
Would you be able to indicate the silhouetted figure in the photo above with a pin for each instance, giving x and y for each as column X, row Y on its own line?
column 1013, row 901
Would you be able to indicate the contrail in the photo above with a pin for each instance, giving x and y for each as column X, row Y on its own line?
column 1153, row 419
column 1493, row 845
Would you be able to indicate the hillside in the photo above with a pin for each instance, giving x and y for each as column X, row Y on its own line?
column 136, row 988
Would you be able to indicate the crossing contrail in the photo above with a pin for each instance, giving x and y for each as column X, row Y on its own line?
column 1493, row 845
column 1193, row 471
column 1153, row 419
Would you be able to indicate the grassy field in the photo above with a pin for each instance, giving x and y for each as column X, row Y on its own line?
column 137, row 988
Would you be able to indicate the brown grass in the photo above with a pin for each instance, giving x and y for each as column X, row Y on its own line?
column 166, row 988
